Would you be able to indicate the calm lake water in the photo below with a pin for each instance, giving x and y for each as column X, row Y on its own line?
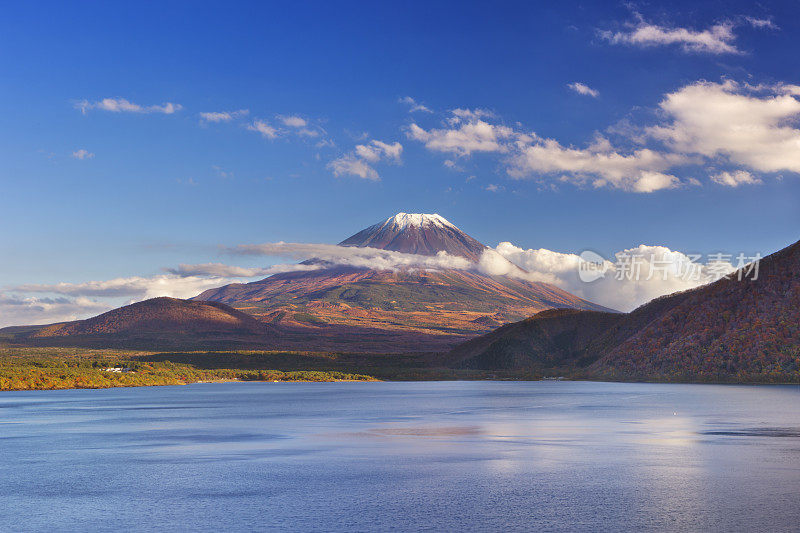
column 454, row 456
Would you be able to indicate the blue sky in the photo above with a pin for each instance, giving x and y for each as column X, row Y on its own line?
column 96, row 191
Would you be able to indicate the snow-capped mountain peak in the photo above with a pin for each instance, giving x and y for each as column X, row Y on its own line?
column 417, row 233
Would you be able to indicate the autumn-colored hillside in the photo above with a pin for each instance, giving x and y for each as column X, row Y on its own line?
column 444, row 302
column 155, row 323
column 731, row 330
column 160, row 315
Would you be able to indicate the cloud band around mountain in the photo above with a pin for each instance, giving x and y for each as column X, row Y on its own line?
column 33, row 303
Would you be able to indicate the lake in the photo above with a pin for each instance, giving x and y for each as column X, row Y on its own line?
column 456, row 456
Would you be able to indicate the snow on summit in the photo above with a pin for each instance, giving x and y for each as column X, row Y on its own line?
column 404, row 220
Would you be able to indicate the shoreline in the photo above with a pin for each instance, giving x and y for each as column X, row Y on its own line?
column 52, row 369
column 181, row 384
column 375, row 380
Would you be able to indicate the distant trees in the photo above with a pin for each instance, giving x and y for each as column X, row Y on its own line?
column 24, row 373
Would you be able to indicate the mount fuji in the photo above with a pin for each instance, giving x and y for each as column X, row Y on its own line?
column 405, row 309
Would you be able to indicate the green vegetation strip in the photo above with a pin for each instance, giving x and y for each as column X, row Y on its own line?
column 47, row 373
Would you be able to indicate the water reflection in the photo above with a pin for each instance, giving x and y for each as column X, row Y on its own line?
column 757, row 432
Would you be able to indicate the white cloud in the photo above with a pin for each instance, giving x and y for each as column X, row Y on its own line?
column 368, row 153
column 301, row 126
column 294, row 125
column 745, row 125
column 391, row 151
column 493, row 263
column 350, row 165
column 528, row 155
column 223, row 116
column 600, row 164
column 136, row 287
column 220, row 270
column 648, row 181
column 717, row 39
column 293, row 121
column 18, row 310
column 264, row 128
column 413, row 105
column 583, row 89
column 469, row 134
column 761, row 23
column 82, row 154
column 736, row 178
column 469, row 115
column 374, row 258
column 222, row 173
column 121, row 105
column 661, row 271
column 493, row 187
column 375, row 150
column 753, row 127
column 358, row 162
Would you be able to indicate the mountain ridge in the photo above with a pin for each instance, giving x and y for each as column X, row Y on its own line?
column 159, row 314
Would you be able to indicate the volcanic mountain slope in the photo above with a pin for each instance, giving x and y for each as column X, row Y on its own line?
column 160, row 322
column 726, row 331
column 443, row 302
